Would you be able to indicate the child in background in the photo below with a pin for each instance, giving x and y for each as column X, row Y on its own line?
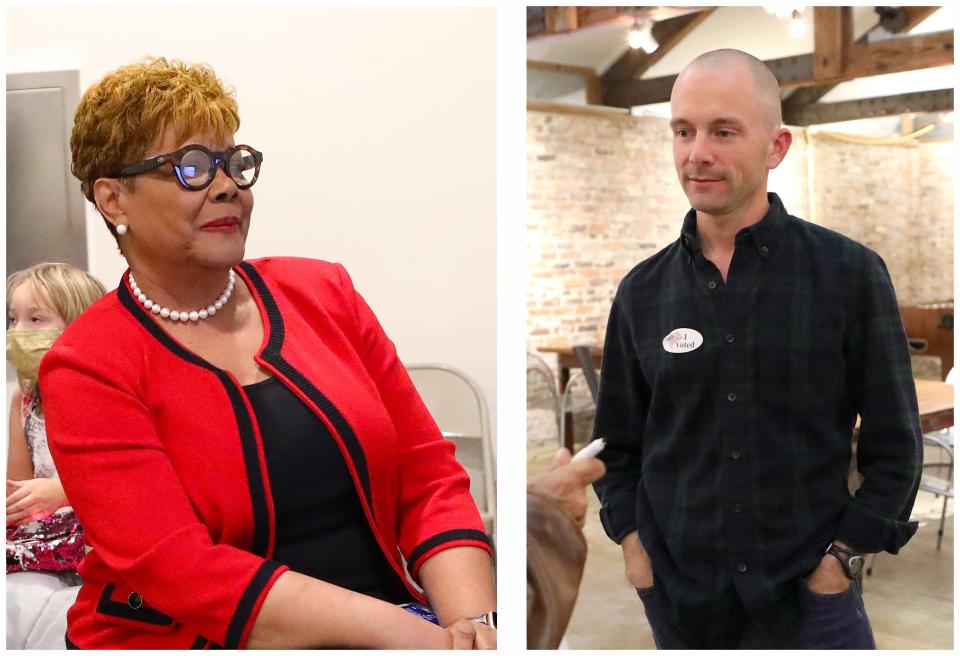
column 44, row 540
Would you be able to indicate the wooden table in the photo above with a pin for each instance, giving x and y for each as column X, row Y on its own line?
column 936, row 404
column 934, row 398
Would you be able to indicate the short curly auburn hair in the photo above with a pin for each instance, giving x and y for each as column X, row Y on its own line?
column 120, row 117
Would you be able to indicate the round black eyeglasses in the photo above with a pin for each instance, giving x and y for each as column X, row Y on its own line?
column 195, row 165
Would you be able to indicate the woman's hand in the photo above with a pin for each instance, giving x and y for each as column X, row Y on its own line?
column 565, row 482
column 33, row 499
column 464, row 634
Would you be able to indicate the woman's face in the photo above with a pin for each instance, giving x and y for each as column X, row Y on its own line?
column 172, row 228
column 27, row 310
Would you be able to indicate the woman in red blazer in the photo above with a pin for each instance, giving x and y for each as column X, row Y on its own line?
column 247, row 455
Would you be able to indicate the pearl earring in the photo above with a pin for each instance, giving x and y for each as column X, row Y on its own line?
column 122, row 229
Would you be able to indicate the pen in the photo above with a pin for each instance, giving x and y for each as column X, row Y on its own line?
column 591, row 449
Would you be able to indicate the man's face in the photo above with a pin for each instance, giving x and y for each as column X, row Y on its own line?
column 721, row 138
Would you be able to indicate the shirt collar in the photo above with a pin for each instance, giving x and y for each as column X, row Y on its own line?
column 764, row 234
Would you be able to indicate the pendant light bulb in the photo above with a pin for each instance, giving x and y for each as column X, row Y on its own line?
column 641, row 36
column 797, row 27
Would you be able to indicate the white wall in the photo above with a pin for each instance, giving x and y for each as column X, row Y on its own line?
column 378, row 128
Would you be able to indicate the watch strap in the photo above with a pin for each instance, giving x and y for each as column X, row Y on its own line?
column 489, row 618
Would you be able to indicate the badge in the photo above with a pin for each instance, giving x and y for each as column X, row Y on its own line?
column 682, row 340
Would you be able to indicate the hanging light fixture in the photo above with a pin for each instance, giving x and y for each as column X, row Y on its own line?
column 797, row 27
column 641, row 36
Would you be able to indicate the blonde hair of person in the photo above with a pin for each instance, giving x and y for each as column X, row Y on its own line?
column 120, row 117
column 65, row 288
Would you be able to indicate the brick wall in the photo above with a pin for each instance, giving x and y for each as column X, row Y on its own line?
column 896, row 199
column 602, row 195
column 932, row 279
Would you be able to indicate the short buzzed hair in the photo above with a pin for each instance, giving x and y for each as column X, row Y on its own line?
column 768, row 89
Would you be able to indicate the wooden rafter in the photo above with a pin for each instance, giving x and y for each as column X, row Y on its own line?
column 550, row 21
column 561, row 19
column 906, row 19
column 910, row 18
column 863, row 60
column 591, row 81
column 832, row 34
column 922, row 101
column 667, row 33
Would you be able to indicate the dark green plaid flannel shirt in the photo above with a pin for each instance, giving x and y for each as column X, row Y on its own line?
column 731, row 460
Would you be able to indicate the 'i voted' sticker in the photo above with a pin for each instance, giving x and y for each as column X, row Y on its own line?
column 682, row 340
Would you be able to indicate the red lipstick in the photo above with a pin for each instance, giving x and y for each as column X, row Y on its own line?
column 222, row 224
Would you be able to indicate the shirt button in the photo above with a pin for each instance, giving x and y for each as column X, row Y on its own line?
column 742, row 567
column 731, row 396
column 737, row 508
column 764, row 250
column 712, row 285
column 730, row 339
column 735, row 454
column 135, row 601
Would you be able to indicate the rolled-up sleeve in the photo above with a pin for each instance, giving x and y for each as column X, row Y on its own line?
column 133, row 508
column 622, row 405
column 889, row 450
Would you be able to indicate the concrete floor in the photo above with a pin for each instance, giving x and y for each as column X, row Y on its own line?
column 909, row 597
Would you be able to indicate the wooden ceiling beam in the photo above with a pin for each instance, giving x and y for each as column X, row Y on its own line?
column 864, row 60
column 668, row 34
column 940, row 100
column 912, row 16
column 789, row 71
column 906, row 19
column 832, row 36
column 591, row 81
column 899, row 55
column 551, row 21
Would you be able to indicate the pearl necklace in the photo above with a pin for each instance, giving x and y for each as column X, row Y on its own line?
column 184, row 315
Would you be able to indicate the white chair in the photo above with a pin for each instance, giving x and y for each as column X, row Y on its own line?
column 37, row 604
column 459, row 407
column 941, row 483
column 537, row 367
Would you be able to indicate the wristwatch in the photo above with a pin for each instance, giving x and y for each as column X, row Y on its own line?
column 489, row 618
column 852, row 561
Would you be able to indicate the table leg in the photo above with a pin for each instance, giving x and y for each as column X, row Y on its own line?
column 568, row 416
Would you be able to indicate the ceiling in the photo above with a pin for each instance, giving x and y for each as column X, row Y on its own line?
column 598, row 47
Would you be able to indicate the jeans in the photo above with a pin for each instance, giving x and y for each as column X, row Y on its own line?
column 830, row 621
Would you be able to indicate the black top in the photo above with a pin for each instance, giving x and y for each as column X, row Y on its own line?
column 731, row 459
column 321, row 530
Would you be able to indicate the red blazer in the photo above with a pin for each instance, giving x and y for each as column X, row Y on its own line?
column 160, row 455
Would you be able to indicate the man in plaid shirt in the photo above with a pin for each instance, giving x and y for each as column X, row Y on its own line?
column 736, row 362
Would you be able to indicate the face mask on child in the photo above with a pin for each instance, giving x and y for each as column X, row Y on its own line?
column 26, row 347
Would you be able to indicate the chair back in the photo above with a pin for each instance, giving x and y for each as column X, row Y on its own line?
column 459, row 407
column 537, row 367
column 585, row 358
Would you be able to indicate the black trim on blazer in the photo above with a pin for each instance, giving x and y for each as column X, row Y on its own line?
column 272, row 355
column 248, row 441
column 125, row 611
column 204, row 643
column 446, row 536
column 247, row 600
column 70, row 644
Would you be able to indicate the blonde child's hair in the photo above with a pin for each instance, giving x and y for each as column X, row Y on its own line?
column 65, row 288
